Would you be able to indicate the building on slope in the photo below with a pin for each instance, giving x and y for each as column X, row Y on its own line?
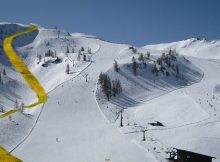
column 178, row 155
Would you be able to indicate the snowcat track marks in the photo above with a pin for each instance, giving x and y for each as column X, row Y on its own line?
column 22, row 68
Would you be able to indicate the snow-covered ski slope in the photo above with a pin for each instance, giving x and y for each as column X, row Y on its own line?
column 75, row 125
column 13, row 87
column 189, row 112
column 74, row 128
column 196, row 47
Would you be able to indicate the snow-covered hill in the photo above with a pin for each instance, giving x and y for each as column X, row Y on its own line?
column 196, row 47
column 187, row 109
column 171, row 88
column 149, row 83
column 13, row 87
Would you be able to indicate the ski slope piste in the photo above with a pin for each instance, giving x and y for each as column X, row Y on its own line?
column 22, row 68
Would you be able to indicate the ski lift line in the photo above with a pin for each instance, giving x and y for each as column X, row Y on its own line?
column 22, row 68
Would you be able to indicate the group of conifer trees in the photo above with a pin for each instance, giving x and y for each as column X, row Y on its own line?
column 109, row 87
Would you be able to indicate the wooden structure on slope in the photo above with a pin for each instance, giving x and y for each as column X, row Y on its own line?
column 178, row 155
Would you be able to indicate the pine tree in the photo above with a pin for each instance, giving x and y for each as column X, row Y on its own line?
column 78, row 57
column 134, row 50
column 22, row 107
column 145, row 64
column 177, row 71
column 4, row 71
column 133, row 59
column 67, row 50
column 82, row 49
column 48, row 53
column 67, row 68
column 118, row 86
column 16, row 104
column 1, row 109
column 141, row 58
column 101, row 78
column 134, row 66
column 0, row 78
column 114, row 90
column 154, row 69
column 148, row 55
column 58, row 33
column 108, row 88
column 84, row 57
column 106, row 85
column 116, row 68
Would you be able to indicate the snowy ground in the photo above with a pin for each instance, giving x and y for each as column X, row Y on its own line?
column 13, row 86
column 74, row 124
column 190, row 114
column 77, row 130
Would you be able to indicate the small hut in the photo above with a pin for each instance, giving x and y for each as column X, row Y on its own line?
column 187, row 156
